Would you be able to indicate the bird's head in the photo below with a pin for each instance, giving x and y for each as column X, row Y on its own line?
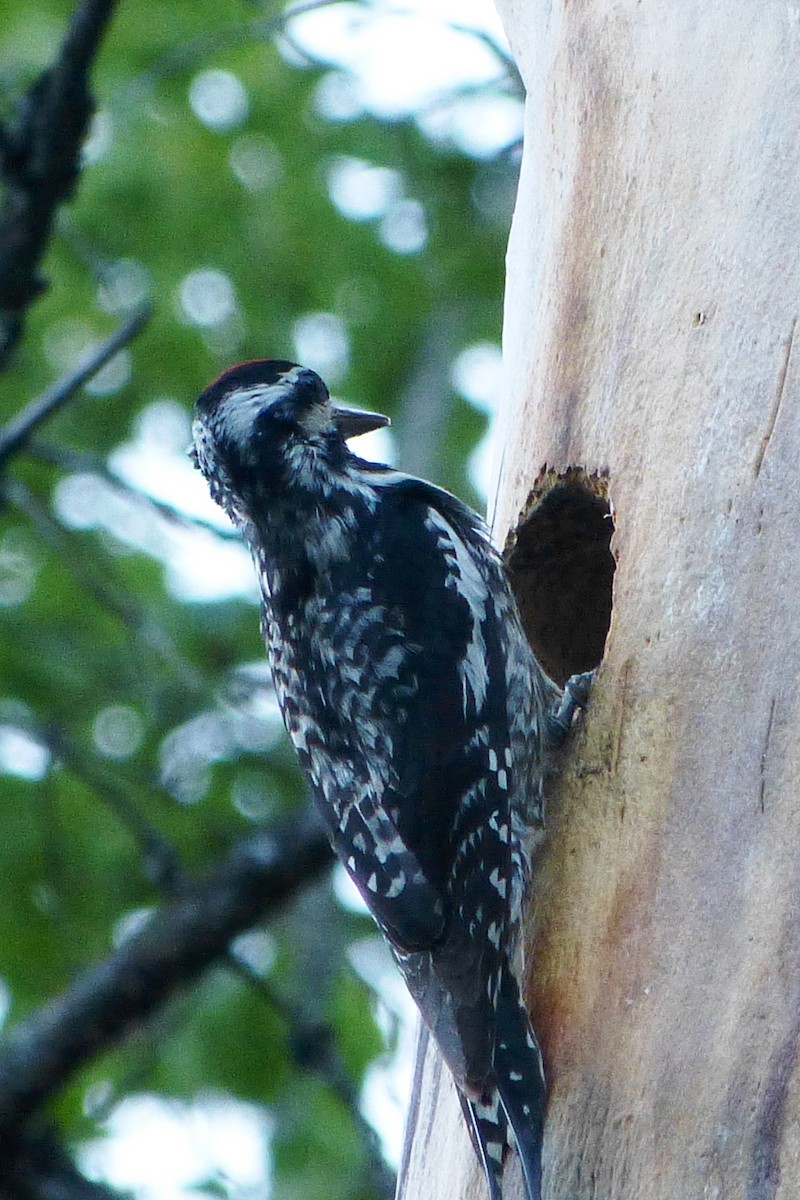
column 264, row 425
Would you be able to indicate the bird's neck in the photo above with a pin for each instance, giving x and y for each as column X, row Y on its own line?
column 299, row 537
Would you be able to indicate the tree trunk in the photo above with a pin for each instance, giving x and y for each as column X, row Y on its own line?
column 652, row 301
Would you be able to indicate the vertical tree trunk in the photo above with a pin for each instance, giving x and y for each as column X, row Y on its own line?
column 652, row 302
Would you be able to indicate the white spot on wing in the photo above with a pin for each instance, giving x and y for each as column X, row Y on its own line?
column 473, row 587
column 497, row 883
column 397, row 885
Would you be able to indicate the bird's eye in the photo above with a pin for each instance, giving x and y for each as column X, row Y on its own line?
column 275, row 416
column 276, row 423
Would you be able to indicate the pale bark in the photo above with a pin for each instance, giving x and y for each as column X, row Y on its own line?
column 653, row 295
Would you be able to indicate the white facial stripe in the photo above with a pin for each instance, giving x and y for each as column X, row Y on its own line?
column 238, row 411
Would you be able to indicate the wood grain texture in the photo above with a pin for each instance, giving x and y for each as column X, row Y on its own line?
column 652, row 301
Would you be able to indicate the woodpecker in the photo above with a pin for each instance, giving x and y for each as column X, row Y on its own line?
column 419, row 714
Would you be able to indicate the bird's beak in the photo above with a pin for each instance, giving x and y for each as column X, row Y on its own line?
column 352, row 421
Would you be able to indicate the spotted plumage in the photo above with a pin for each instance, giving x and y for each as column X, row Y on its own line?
column 416, row 707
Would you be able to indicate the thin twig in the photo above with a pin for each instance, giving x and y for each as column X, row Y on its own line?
column 91, row 464
column 497, row 48
column 20, row 428
column 201, row 47
column 313, row 1048
column 160, row 859
column 101, row 588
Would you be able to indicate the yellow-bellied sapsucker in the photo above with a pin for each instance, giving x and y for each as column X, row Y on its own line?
column 418, row 711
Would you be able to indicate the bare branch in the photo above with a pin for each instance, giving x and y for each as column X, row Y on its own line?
column 38, row 1168
column 193, row 930
column 311, row 1044
column 40, row 164
column 21, row 427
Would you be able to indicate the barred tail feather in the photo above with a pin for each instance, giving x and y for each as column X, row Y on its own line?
column 488, row 1130
column 520, row 1081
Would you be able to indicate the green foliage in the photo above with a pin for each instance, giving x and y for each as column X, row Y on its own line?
column 93, row 629
column 358, row 1039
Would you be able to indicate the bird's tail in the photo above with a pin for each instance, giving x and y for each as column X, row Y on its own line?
column 488, row 1129
column 511, row 1114
column 519, row 1076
